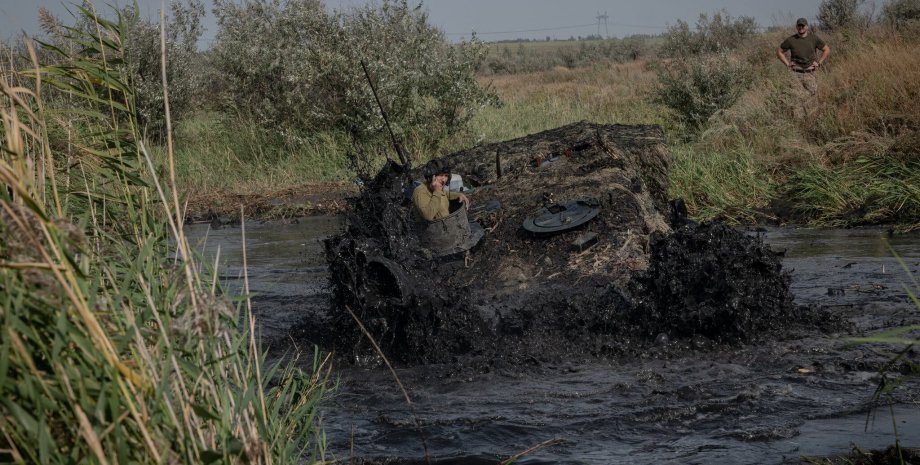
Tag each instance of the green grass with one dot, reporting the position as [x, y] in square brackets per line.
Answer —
[866, 191]
[721, 185]
[118, 345]
[219, 154]
[533, 102]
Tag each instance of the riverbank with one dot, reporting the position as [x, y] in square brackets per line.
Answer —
[855, 161]
[306, 199]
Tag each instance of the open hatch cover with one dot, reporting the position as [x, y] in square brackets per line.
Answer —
[562, 216]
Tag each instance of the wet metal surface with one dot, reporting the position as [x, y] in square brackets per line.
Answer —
[765, 403]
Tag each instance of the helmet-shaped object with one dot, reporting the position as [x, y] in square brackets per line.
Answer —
[434, 167]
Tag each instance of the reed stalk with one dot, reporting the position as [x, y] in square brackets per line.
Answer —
[117, 346]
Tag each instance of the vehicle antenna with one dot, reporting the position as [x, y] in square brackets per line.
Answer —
[399, 150]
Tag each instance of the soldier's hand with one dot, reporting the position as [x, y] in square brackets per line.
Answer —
[464, 200]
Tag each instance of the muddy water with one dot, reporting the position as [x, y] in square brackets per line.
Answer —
[769, 403]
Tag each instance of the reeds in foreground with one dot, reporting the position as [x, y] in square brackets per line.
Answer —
[114, 346]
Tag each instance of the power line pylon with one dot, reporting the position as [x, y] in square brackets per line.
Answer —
[599, 18]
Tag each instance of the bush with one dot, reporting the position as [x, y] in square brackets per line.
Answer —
[697, 88]
[183, 64]
[141, 60]
[835, 15]
[902, 13]
[510, 57]
[295, 67]
[721, 32]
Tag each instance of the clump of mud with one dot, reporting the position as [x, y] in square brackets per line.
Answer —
[713, 281]
[519, 297]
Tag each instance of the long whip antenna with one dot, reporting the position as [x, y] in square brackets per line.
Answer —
[399, 150]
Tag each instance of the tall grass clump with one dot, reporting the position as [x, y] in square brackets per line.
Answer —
[117, 346]
[855, 96]
[729, 186]
[866, 191]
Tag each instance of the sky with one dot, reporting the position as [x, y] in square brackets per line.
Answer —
[495, 19]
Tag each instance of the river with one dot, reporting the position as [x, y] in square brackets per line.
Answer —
[804, 395]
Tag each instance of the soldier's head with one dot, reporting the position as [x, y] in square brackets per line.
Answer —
[801, 27]
[436, 168]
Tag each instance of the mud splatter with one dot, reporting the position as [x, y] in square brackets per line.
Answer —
[519, 298]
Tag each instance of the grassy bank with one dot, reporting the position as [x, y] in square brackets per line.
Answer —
[118, 345]
[852, 161]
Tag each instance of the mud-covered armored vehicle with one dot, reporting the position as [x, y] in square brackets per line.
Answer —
[582, 255]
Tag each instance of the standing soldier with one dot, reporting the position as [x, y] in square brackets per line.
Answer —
[803, 49]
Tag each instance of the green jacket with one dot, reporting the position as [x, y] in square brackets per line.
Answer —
[432, 205]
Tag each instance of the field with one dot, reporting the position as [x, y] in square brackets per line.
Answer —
[853, 161]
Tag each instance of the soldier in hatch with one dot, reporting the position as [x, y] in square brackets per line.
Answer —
[431, 198]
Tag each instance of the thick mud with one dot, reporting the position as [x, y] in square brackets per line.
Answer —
[524, 298]
[765, 402]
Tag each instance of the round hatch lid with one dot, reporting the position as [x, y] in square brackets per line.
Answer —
[562, 216]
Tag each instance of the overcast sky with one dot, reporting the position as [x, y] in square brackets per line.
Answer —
[497, 19]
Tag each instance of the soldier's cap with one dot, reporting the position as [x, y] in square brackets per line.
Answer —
[801, 22]
[434, 167]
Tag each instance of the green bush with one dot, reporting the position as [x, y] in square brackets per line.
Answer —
[141, 62]
[696, 88]
[296, 68]
[183, 65]
[902, 13]
[835, 15]
[718, 33]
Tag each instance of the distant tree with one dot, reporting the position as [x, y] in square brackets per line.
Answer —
[902, 13]
[834, 15]
[713, 34]
[293, 66]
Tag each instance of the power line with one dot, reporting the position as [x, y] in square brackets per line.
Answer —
[544, 29]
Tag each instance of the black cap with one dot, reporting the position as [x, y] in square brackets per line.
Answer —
[801, 22]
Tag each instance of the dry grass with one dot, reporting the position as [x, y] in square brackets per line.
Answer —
[534, 102]
[875, 88]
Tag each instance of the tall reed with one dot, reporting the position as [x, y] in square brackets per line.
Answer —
[117, 345]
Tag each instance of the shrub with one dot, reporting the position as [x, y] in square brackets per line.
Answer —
[295, 67]
[141, 63]
[902, 13]
[835, 15]
[721, 32]
[697, 88]
[183, 65]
